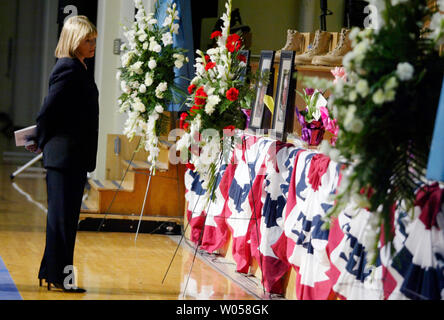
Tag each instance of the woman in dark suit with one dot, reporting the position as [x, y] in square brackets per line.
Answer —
[67, 133]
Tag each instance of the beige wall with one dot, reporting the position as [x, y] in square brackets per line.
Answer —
[270, 19]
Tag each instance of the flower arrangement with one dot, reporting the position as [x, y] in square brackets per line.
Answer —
[386, 108]
[218, 94]
[147, 76]
[316, 118]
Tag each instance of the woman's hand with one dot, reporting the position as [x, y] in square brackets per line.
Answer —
[33, 148]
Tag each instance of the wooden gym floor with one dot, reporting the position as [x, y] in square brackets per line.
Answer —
[109, 265]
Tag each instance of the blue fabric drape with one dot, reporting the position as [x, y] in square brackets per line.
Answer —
[182, 40]
[435, 168]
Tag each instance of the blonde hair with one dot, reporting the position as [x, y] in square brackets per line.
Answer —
[74, 31]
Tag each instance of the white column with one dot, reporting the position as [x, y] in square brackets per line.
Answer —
[49, 44]
[308, 21]
[111, 16]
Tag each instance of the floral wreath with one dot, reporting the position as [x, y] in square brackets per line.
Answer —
[147, 76]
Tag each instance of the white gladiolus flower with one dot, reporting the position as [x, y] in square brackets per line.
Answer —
[353, 95]
[361, 47]
[168, 20]
[148, 80]
[378, 97]
[184, 143]
[396, 2]
[360, 200]
[334, 154]
[356, 125]
[392, 83]
[405, 71]
[175, 28]
[124, 107]
[316, 114]
[179, 57]
[159, 108]
[212, 102]
[134, 85]
[154, 116]
[163, 86]
[126, 58]
[143, 37]
[362, 88]
[167, 39]
[354, 33]
[152, 64]
[153, 45]
[178, 64]
[437, 27]
[325, 147]
[349, 117]
[137, 67]
[200, 70]
[139, 106]
[159, 94]
[209, 90]
[212, 51]
[124, 87]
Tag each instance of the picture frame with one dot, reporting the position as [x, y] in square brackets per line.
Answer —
[260, 114]
[284, 100]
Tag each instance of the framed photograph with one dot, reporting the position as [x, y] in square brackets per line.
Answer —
[284, 104]
[260, 114]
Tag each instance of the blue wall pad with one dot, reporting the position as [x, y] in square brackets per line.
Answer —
[8, 290]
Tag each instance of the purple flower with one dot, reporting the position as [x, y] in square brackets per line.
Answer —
[309, 91]
[247, 112]
[301, 119]
[306, 135]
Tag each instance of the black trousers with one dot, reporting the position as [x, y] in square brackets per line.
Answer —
[65, 190]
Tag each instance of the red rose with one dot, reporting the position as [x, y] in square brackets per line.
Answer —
[191, 88]
[242, 58]
[210, 65]
[207, 58]
[216, 34]
[190, 166]
[229, 130]
[234, 42]
[186, 126]
[200, 97]
[182, 119]
[232, 94]
[194, 110]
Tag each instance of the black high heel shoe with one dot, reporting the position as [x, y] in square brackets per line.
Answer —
[61, 287]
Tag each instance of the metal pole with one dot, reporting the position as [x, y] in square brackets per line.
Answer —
[324, 13]
[143, 206]
[26, 166]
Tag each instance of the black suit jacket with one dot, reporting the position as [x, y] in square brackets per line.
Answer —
[68, 122]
